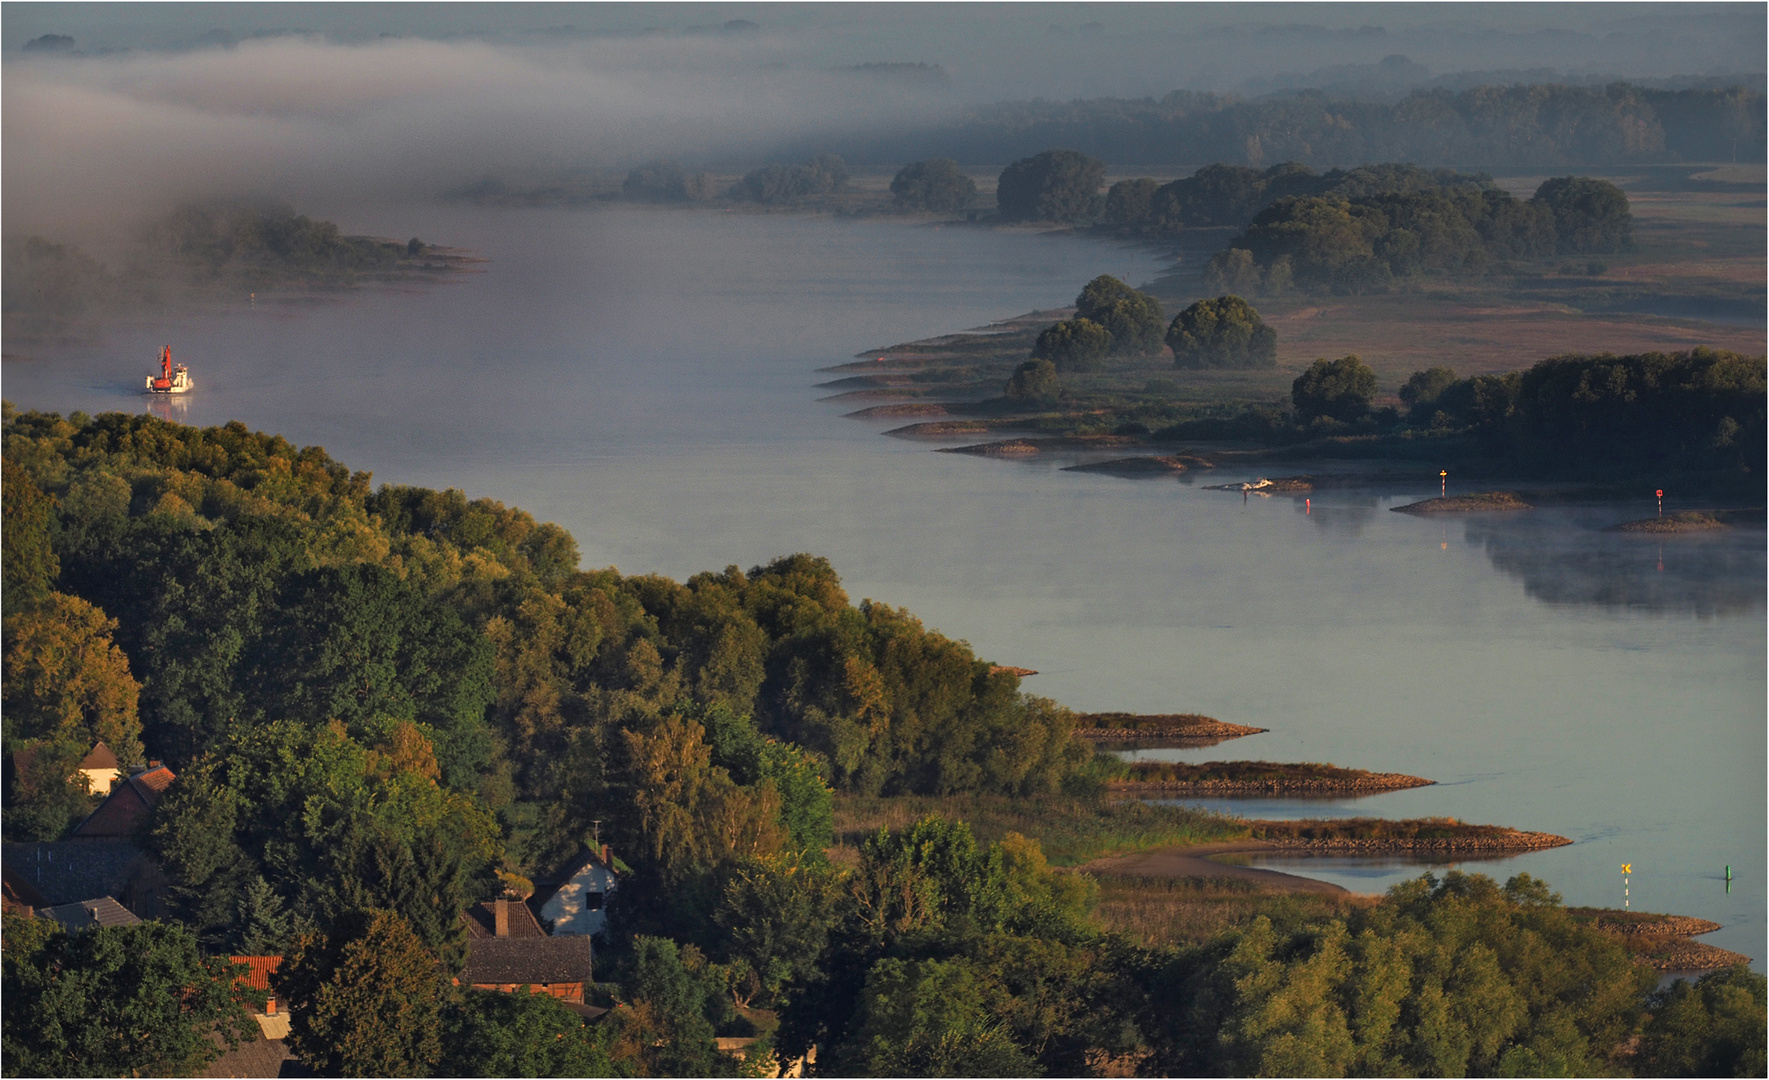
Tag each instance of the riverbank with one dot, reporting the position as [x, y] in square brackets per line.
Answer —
[1258, 778]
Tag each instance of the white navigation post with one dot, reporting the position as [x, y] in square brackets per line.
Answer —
[1443, 483]
[1627, 871]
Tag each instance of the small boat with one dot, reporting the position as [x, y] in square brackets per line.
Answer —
[171, 380]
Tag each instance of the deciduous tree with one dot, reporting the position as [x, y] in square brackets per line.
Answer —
[364, 999]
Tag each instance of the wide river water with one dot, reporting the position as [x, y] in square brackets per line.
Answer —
[645, 378]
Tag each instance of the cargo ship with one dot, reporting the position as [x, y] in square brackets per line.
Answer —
[170, 380]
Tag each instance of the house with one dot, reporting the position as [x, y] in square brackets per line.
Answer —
[255, 972]
[266, 1054]
[69, 871]
[572, 900]
[508, 949]
[101, 769]
[86, 914]
[128, 805]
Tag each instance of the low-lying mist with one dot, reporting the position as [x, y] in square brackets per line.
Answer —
[95, 142]
[133, 109]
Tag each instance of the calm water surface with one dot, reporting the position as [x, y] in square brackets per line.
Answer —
[646, 380]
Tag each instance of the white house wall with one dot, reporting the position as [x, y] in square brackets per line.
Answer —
[567, 909]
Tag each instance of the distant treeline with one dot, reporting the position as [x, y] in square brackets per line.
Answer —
[1584, 417]
[1538, 125]
[203, 248]
[1333, 244]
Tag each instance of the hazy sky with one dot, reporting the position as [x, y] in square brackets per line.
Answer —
[163, 101]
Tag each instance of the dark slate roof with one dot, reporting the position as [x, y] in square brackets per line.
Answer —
[86, 914]
[481, 920]
[253, 1057]
[67, 871]
[19, 891]
[497, 961]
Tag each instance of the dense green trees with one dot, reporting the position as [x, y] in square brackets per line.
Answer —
[1702, 410]
[30, 561]
[774, 185]
[380, 701]
[1132, 318]
[364, 999]
[934, 184]
[1218, 196]
[1222, 333]
[1335, 389]
[312, 822]
[1421, 392]
[1364, 243]
[1450, 977]
[1590, 215]
[1111, 319]
[1056, 185]
[114, 1001]
[1033, 382]
[656, 181]
[67, 687]
[1073, 345]
[487, 1033]
[1712, 1028]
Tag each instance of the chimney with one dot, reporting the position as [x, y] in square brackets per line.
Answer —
[500, 917]
[270, 1005]
[607, 856]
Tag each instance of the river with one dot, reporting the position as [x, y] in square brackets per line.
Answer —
[645, 378]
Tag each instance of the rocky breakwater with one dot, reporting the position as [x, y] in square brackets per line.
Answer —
[1662, 941]
[1465, 504]
[1164, 729]
[1231, 778]
[1378, 836]
[1689, 521]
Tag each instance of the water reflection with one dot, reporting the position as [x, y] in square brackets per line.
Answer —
[1340, 515]
[1704, 575]
[175, 408]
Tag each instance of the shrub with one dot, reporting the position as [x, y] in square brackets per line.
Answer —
[934, 184]
[1073, 345]
[1337, 389]
[1222, 333]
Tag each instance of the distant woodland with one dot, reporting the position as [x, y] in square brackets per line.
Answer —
[1516, 125]
[199, 251]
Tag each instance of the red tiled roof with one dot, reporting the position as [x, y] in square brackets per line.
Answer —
[152, 782]
[258, 969]
[122, 812]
